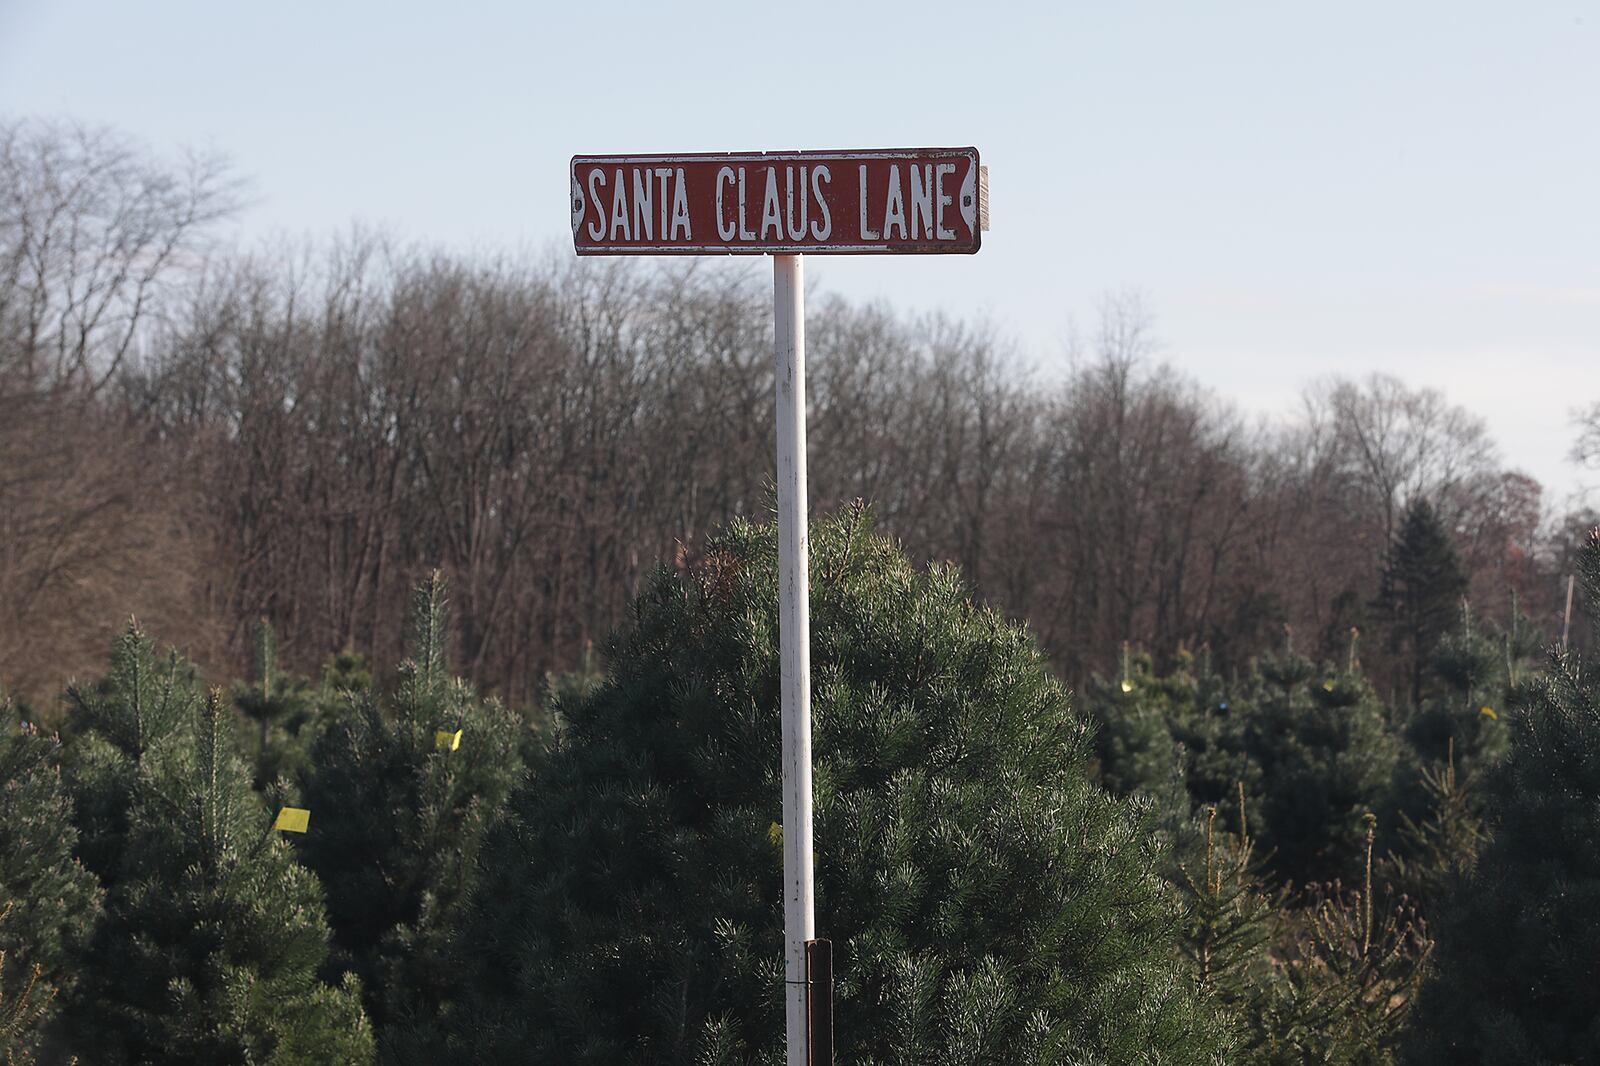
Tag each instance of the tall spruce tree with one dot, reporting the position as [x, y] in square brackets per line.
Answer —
[48, 901]
[1518, 975]
[1419, 592]
[213, 934]
[404, 788]
[987, 902]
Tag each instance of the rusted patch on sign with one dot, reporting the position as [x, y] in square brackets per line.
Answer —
[908, 200]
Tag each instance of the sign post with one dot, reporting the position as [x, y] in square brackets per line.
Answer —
[794, 641]
[785, 204]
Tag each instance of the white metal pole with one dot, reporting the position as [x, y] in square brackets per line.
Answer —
[794, 637]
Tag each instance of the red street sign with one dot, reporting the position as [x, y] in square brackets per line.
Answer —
[910, 200]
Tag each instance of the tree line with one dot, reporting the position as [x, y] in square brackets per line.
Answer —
[206, 437]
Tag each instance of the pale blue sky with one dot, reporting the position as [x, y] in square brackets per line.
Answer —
[1296, 190]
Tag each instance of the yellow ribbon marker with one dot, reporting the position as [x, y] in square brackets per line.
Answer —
[1327, 686]
[445, 740]
[1488, 712]
[292, 820]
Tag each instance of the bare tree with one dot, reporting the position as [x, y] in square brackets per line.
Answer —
[93, 231]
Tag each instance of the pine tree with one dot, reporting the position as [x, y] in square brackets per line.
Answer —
[404, 789]
[1441, 848]
[213, 934]
[1479, 670]
[1325, 756]
[1144, 719]
[1419, 590]
[1349, 970]
[987, 902]
[1518, 975]
[280, 710]
[1232, 922]
[49, 902]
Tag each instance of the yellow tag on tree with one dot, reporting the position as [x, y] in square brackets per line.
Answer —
[445, 740]
[292, 820]
[1488, 712]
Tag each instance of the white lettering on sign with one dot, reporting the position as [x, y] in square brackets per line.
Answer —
[597, 229]
[822, 229]
[921, 201]
[663, 174]
[724, 174]
[940, 170]
[619, 210]
[771, 207]
[644, 223]
[894, 212]
[680, 208]
[796, 233]
[745, 233]
[753, 203]
[640, 197]
[867, 232]
[800, 208]
[928, 200]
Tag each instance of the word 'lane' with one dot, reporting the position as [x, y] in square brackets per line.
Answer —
[913, 200]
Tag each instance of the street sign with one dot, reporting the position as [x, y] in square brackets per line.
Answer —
[785, 204]
[908, 200]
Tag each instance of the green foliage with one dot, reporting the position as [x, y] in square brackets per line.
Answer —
[1232, 920]
[280, 710]
[1311, 748]
[1326, 756]
[1484, 672]
[1420, 588]
[1350, 966]
[48, 901]
[213, 935]
[1325, 977]
[26, 1000]
[1441, 848]
[987, 902]
[400, 817]
[1518, 978]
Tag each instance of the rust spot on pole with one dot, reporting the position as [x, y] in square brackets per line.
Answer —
[819, 1002]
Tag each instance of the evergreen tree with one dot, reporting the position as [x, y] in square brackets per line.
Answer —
[1186, 726]
[1518, 976]
[404, 789]
[1326, 977]
[987, 902]
[49, 902]
[1419, 590]
[1231, 924]
[1480, 671]
[1326, 756]
[213, 934]
[1349, 969]
[1441, 848]
[280, 710]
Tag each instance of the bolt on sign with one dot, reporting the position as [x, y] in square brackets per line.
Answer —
[912, 200]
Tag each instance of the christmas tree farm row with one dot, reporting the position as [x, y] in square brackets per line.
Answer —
[1180, 867]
